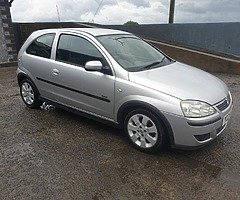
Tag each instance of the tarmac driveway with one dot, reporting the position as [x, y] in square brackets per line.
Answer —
[59, 155]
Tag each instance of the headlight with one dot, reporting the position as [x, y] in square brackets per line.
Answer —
[193, 108]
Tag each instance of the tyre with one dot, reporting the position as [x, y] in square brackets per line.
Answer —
[145, 131]
[29, 94]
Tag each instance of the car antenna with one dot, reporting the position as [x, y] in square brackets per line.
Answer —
[59, 19]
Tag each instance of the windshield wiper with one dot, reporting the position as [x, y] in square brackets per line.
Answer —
[153, 64]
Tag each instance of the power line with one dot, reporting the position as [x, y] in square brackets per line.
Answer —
[91, 21]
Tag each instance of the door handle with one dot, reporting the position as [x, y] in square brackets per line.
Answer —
[55, 72]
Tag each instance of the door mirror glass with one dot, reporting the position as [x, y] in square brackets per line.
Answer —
[93, 66]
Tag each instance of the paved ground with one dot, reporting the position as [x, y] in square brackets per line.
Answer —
[58, 155]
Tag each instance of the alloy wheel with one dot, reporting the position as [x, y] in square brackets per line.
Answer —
[27, 93]
[142, 131]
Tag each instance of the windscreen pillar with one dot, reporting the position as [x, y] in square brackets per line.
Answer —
[8, 51]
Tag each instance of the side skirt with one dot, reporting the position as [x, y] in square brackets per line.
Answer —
[81, 113]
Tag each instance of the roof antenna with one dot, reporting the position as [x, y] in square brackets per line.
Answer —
[59, 20]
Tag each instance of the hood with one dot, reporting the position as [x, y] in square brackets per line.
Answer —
[183, 82]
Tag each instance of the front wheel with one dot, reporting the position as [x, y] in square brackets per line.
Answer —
[145, 131]
[29, 94]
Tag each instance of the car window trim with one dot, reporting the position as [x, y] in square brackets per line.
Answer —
[89, 40]
[50, 33]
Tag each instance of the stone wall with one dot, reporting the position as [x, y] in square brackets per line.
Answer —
[3, 46]
[7, 41]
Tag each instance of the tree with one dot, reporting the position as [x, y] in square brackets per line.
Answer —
[130, 23]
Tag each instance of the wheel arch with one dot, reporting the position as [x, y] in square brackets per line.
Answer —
[133, 105]
[21, 76]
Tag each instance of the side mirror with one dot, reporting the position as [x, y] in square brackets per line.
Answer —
[93, 66]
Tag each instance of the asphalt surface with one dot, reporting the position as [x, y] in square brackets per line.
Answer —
[59, 155]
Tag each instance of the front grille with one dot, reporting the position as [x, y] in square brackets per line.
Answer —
[223, 105]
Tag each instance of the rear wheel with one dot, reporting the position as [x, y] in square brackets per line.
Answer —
[29, 94]
[145, 131]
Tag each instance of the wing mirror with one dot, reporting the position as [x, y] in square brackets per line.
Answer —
[93, 66]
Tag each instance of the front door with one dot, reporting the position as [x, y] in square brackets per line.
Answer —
[73, 85]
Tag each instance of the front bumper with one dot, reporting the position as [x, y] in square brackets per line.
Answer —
[196, 132]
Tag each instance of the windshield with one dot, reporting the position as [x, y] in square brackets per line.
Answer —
[132, 53]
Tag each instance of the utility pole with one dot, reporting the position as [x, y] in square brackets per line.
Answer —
[171, 11]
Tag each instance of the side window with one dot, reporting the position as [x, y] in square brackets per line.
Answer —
[76, 50]
[42, 46]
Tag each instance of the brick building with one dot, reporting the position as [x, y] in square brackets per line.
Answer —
[7, 41]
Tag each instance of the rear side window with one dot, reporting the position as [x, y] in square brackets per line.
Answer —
[77, 50]
[42, 46]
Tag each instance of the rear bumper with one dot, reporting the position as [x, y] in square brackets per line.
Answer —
[192, 133]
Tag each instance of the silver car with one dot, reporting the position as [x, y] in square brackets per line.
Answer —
[116, 77]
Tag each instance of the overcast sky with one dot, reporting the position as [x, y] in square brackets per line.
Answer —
[120, 11]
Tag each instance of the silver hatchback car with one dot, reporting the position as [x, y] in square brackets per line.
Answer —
[116, 77]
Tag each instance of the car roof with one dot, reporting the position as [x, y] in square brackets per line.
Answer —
[91, 31]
